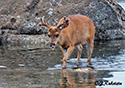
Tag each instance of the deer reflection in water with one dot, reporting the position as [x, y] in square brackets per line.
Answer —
[79, 78]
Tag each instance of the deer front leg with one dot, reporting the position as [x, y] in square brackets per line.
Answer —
[63, 51]
[68, 53]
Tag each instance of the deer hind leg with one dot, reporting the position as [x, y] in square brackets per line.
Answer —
[90, 46]
[80, 48]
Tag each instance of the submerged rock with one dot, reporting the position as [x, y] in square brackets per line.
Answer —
[23, 15]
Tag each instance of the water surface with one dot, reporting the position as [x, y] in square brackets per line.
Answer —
[38, 67]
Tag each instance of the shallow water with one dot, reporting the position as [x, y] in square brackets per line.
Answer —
[37, 67]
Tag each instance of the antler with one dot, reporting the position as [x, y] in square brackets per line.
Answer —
[44, 23]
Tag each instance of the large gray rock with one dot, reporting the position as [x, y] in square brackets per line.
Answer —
[23, 15]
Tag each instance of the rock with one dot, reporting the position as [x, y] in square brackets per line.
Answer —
[24, 15]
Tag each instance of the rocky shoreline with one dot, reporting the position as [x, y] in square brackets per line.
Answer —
[22, 39]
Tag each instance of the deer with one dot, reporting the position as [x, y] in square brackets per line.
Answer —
[70, 33]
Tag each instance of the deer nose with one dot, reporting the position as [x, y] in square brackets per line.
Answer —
[52, 45]
[40, 24]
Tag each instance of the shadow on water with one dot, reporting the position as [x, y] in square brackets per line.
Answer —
[37, 67]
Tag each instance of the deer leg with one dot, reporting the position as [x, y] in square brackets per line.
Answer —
[90, 45]
[63, 51]
[68, 53]
[79, 47]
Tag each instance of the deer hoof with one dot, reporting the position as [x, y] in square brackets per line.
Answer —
[89, 62]
[64, 67]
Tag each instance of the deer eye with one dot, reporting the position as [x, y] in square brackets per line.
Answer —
[57, 35]
[49, 35]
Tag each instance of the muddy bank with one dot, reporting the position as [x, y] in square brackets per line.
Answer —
[22, 17]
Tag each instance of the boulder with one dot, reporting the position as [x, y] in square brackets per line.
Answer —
[23, 15]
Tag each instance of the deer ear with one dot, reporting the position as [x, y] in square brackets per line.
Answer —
[64, 24]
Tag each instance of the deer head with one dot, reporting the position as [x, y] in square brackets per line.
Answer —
[54, 31]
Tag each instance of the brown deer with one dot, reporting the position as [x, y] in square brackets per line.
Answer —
[71, 32]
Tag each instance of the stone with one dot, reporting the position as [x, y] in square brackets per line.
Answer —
[23, 16]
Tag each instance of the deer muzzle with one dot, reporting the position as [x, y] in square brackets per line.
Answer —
[52, 45]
